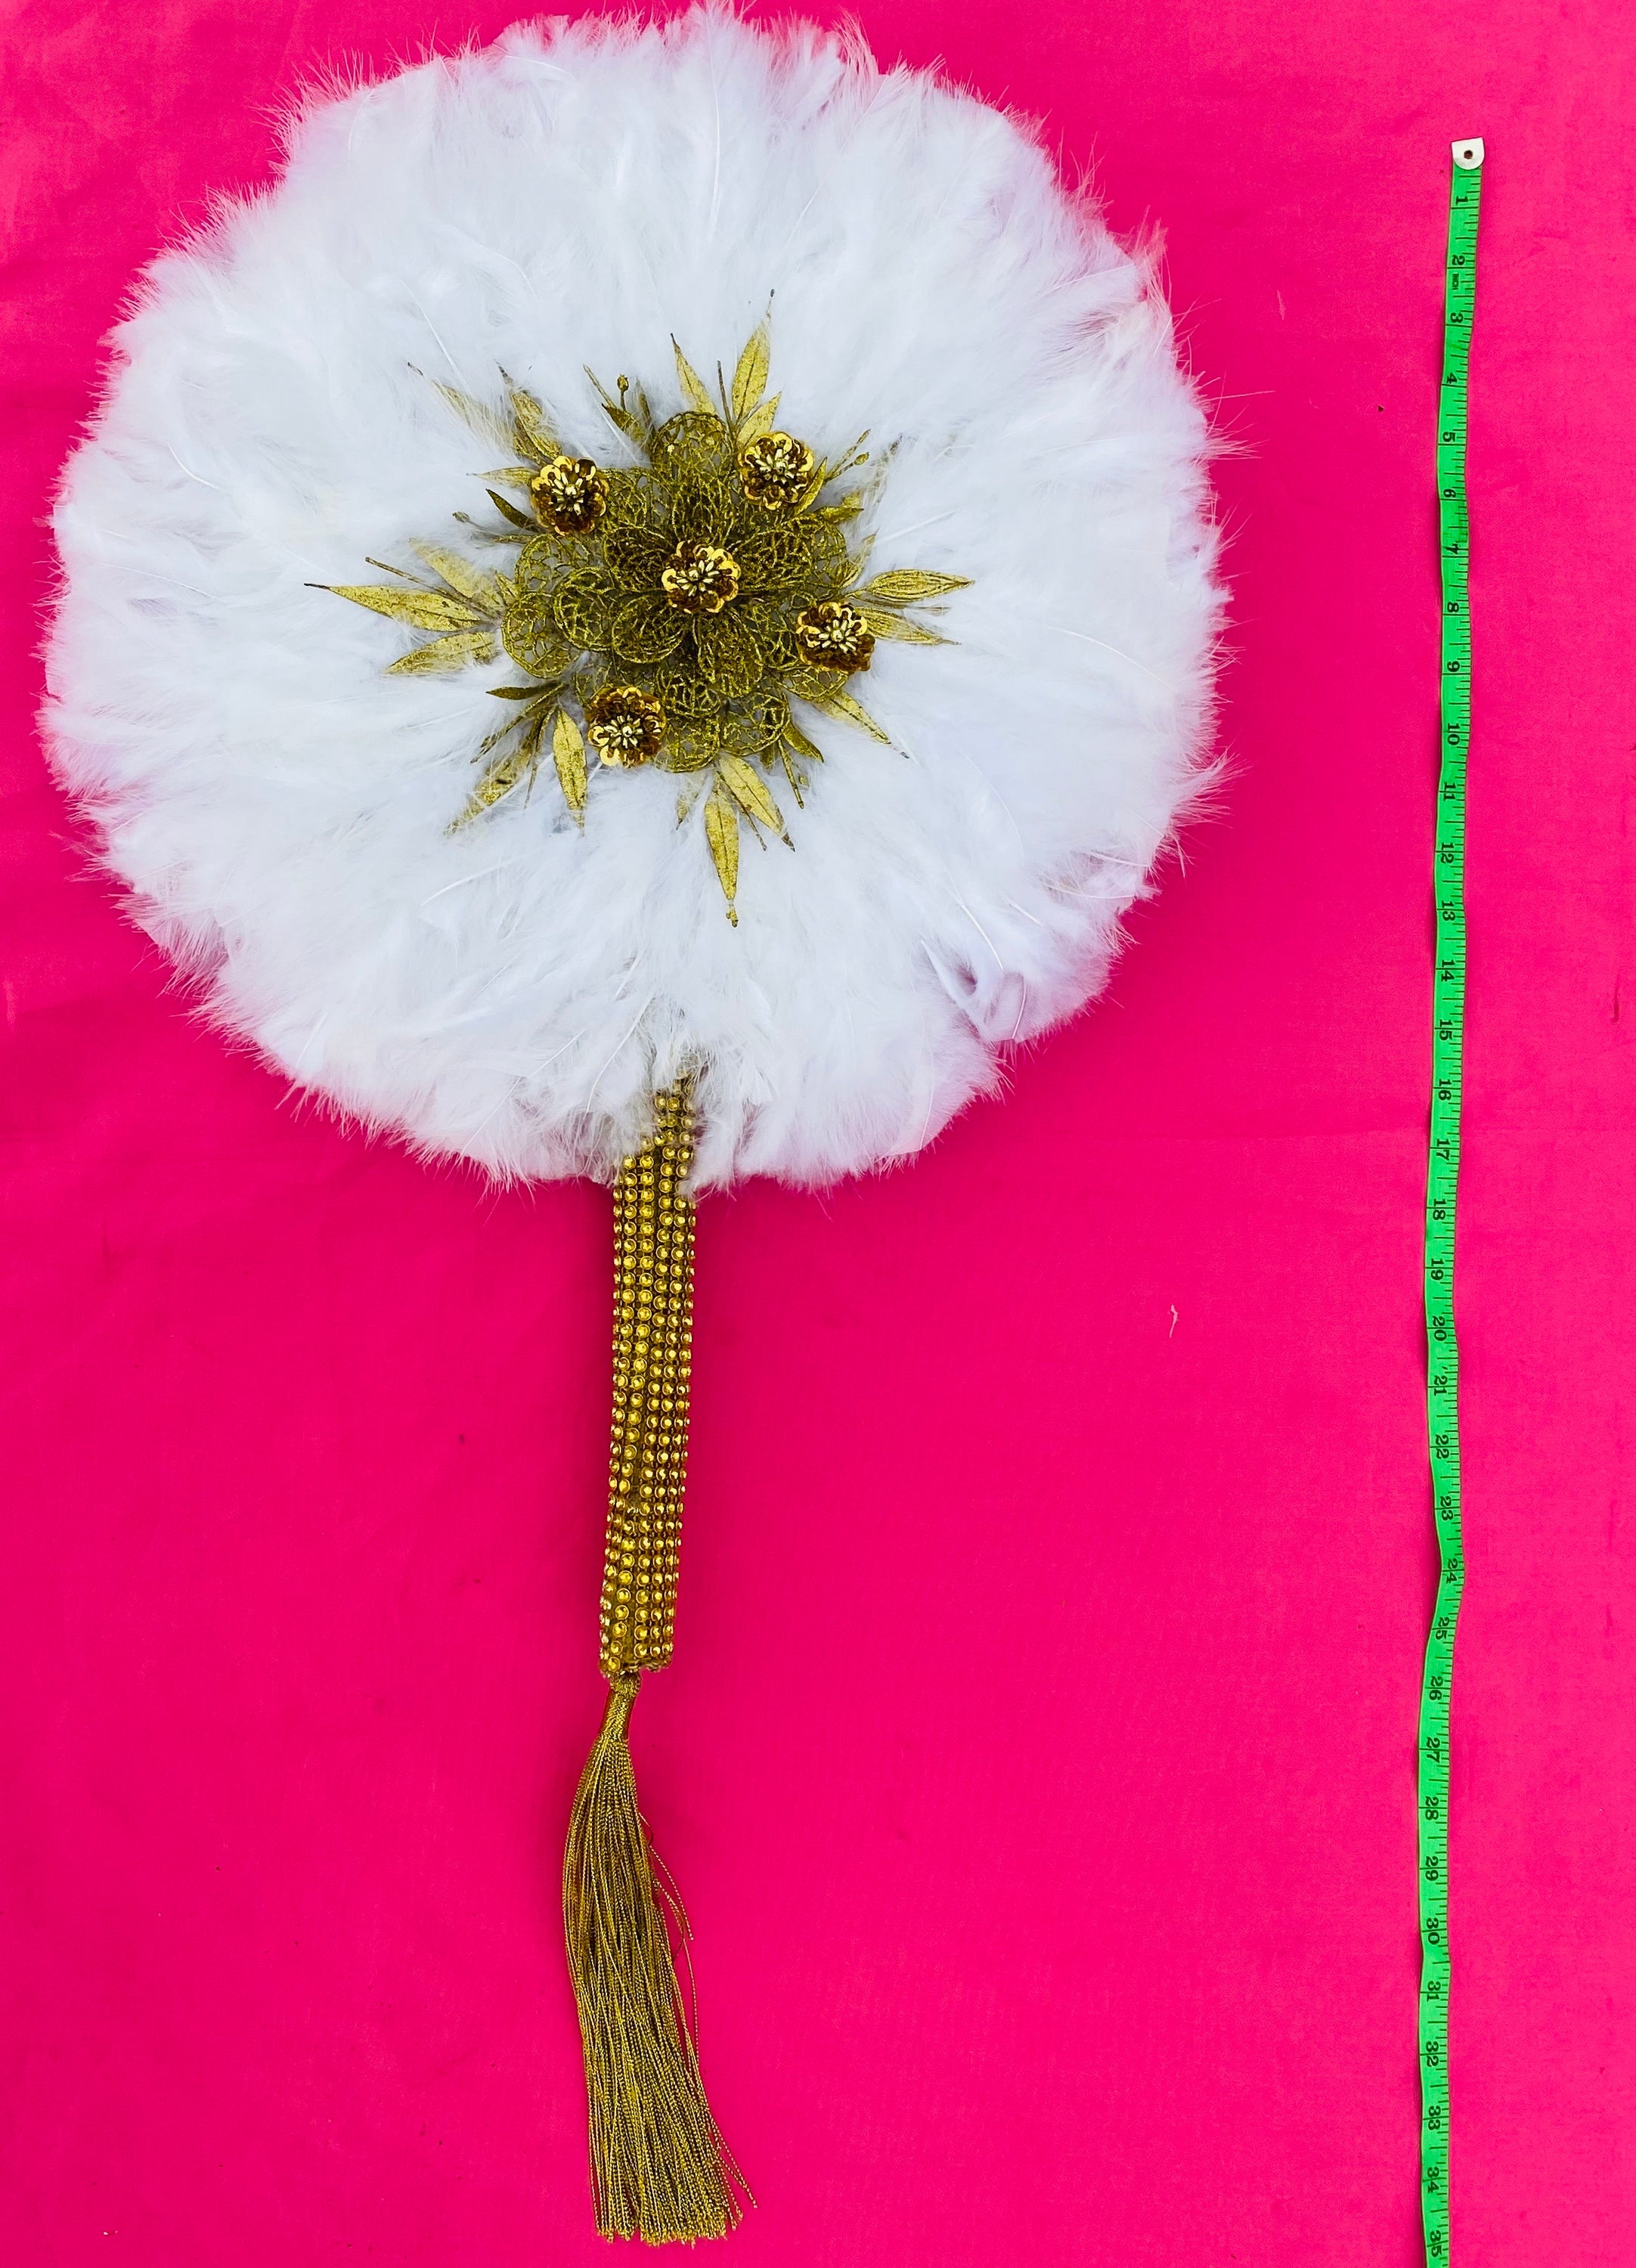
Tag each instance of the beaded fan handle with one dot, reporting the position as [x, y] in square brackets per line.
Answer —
[658, 2167]
[652, 1358]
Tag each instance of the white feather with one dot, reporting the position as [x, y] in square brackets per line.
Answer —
[278, 806]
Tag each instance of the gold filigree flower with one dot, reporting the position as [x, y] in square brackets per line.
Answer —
[775, 470]
[624, 725]
[570, 494]
[701, 578]
[834, 636]
[676, 611]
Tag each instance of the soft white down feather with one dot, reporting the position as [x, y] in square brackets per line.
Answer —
[575, 196]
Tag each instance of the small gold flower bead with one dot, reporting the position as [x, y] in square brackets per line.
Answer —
[700, 579]
[834, 636]
[775, 470]
[625, 726]
[570, 494]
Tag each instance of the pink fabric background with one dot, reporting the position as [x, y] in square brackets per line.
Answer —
[1037, 1758]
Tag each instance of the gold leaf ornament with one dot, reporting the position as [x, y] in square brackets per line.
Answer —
[446, 653]
[568, 755]
[749, 378]
[840, 702]
[693, 385]
[531, 429]
[802, 747]
[761, 420]
[903, 585]
[883, 622]
[423, 610]
[485, 421]
[749, 791]
[722, 831]
[507, 771]
[481, 585]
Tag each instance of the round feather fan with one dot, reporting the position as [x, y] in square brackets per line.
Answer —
[645, 611]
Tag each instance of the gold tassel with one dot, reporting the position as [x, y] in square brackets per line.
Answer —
[657, 2164]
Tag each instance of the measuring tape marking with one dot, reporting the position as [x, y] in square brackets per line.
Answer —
[1442, 1381]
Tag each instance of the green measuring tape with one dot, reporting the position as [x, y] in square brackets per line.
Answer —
[1442, 1383]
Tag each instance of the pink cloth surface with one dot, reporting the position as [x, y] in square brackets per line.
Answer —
[1037, 1760]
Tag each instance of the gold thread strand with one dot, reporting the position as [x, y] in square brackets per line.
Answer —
[658, 2167]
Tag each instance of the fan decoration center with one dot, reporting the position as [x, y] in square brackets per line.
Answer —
[675, 611]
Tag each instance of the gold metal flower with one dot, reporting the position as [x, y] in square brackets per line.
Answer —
[570, 494]
[776, 470]
[624, 725]
[701, 578]
[676, 611]
[834, 636]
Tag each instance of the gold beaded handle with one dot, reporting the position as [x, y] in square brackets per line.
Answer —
[658, 2167]
[652, 1359]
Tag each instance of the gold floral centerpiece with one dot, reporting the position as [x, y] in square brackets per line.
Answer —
[676, 611]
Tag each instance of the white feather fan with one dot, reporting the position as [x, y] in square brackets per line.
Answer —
[514, 990]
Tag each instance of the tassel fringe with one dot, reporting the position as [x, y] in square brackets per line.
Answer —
[659, 2167]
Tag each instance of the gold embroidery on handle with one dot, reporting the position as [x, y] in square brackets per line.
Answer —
[652, 1362]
